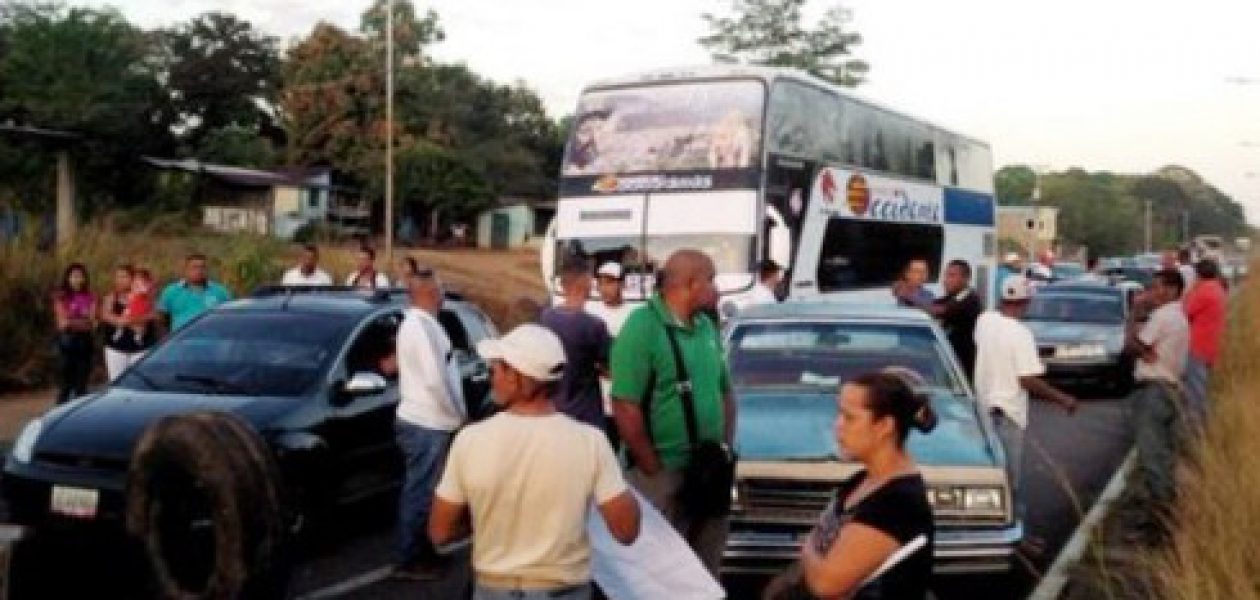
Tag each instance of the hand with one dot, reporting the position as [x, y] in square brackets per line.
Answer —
[649, 467]
[1070, 404]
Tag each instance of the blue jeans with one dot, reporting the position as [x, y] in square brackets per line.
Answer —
[1012, 438]
[424, 456]
[577, 592]
[1195, 383]
[1159, 419]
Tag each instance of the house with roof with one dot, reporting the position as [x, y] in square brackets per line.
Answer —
[277, 203]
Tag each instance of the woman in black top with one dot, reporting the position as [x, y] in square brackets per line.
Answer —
[123, 347]
[875, 540]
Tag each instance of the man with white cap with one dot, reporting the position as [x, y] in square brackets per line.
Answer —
[1012, 264]
[611, 307]
[523, 480]
[1008, 369]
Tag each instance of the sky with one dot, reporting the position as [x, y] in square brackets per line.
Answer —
[1118, 85]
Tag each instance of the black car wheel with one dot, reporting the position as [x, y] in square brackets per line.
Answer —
[204, 499]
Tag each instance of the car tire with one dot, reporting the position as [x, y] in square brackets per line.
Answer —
[204, 499]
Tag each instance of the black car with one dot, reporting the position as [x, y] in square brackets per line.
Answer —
[1079, 329]
[238, 429]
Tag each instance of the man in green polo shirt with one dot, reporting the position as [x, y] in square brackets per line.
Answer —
[647, 406]
[183, 300]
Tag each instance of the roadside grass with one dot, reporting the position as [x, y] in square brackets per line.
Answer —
[28, 275]
[1215, 550]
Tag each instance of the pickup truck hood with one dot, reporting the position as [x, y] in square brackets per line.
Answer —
[108, 425]
[800, 425]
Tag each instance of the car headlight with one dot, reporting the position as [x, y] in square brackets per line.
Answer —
[24, 447]
[1081, 351]
[959, 498]
[986, 499]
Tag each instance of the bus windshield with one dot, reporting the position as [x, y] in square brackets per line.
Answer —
[667, 127]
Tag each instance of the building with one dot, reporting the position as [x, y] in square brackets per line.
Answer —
[1033, 228]
[514, 223]
[277, 203]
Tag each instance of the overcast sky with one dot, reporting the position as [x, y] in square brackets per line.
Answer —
[1122, 85]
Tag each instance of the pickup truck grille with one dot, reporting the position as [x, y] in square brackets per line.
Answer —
[785, 501]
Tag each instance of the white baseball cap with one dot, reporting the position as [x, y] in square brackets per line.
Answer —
[1015, 289]
[610, 269]
[531, 349]
[1011, 257]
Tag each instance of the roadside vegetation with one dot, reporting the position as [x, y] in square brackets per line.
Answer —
[1213, 553]
[495, 280]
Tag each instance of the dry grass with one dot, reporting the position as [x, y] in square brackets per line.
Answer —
[1215, 554]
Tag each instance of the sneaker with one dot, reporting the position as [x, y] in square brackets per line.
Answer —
[420, 571]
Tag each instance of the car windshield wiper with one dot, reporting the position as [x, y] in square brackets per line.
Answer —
[220, 386]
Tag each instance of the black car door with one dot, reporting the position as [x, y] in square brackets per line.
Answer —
[360, 432]
[465, 331]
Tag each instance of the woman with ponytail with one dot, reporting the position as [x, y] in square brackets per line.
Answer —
[875, 539]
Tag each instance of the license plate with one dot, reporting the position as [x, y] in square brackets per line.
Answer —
[75, 502]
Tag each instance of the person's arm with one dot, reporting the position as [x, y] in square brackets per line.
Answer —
[448, 522]
[617, 504]
[621, 514]
[632, 367]
[104, 315]
[628, 415]
[856, 554]
[730, 408]
[61, 316]
[1040, 389]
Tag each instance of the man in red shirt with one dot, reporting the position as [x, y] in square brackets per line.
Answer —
[1205, 310]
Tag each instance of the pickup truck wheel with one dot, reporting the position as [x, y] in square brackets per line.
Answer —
[204, 499]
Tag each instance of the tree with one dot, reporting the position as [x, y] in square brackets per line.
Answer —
[1014, 185]
[411, 33]
[236, 145]
[439, 184]
[86, 71]
[770, 33]
[221, 72]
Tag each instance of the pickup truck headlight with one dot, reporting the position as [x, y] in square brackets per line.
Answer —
[1081, 351]
[24, 448]
[985, 498]
[966, 499]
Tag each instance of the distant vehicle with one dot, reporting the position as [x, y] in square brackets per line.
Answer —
[1139, 275]
[243, 427]
[1150, 261]
[748, 164]
[787, 362]
[1067, 270]
[1079, 328]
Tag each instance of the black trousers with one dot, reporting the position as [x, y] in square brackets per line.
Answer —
[75, 350]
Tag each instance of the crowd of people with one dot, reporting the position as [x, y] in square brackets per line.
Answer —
[592, 380]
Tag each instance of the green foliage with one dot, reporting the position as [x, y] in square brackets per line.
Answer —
[1106, 212]
[238, 146]
[432, 179]
[771, 33]
[1014, 185]
[220, 72]
[411, 33]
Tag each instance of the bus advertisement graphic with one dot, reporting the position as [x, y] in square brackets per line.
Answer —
[875, 198]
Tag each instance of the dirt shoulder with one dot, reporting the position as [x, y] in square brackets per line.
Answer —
[17, 409]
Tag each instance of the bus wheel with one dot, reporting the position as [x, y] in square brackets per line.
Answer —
[204, 500]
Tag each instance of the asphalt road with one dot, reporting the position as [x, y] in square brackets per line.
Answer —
[1069, 461]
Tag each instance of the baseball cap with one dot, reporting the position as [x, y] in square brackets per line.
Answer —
[531, 349]
[1011, 257]
[1015, 289]
[609, 269]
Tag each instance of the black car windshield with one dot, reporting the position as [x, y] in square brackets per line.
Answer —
[1076, 308]
[247, 353]
[823, 355]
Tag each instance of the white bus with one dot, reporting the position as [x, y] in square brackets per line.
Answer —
[751, 163]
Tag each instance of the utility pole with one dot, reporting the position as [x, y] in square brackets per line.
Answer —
[1148, 226]
[389, 133]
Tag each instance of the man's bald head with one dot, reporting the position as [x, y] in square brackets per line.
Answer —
[425, 291]
[688, 280]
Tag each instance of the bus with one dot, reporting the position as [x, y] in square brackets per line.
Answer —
[751, 163]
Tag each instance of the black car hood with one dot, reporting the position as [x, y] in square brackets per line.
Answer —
[108, 425]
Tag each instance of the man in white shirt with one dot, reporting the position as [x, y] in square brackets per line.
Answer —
[611, 308]
[1008, 369]
[1161, 345]
[769, 276]
[307, 271]
[365, 275]
[523, 481]
[431, 408]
